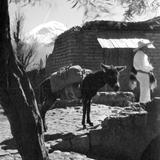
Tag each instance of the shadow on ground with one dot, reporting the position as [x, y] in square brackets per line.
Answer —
[52, 137]
[8, 144]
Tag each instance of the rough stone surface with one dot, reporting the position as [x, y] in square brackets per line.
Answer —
[118, 133]
[58, 155]
[121, 99]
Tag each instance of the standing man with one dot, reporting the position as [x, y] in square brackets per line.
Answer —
[144, 68]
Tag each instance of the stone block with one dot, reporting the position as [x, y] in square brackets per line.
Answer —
[80, 143]
[121, 99]
[60, 144]
[95, 138]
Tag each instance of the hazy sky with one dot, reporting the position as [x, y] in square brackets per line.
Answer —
[61, 11]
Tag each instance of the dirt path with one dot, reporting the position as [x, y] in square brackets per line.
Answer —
[61, 122]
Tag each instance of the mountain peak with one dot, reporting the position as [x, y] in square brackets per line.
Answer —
[46, 32]
[44, 36]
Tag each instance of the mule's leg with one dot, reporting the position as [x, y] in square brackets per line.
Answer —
[45, 107]
[84, 102]
[47, 98]
[88, 112]
[43, 119]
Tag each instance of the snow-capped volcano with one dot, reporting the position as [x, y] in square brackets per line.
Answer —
[43, 36]
[47, 32]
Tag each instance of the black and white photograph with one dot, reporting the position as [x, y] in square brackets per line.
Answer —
[79, 79]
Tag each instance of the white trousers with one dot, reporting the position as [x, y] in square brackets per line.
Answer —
[145, 92]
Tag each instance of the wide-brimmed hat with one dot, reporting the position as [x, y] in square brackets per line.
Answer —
[142, 44]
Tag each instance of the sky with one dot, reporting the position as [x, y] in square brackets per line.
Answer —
[61, 11]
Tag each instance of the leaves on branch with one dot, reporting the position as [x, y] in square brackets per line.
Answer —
[23, 3]
[135, 7]
[23, 51]
[95, 8]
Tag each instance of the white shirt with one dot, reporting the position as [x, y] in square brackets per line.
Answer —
[141, 62]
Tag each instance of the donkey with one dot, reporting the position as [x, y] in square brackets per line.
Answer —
[88, 87]
[93, 82]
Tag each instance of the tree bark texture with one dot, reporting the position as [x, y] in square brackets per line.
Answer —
[17, 97]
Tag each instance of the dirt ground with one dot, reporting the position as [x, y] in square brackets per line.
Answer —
[61, 122]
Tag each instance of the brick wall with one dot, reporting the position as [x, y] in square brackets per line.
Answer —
[81, 47]
[61, 54]
[86, 50]
[154, 55]
[77, 47]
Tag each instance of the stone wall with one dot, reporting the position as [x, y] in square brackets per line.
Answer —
[61, 54]
[120, 99]
[155, 57]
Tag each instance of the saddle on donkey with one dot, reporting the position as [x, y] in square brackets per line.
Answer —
[68, 79]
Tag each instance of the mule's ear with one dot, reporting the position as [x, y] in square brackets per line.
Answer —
[120, 68]
[104, 67]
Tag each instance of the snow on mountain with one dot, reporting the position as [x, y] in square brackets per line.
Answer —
[43, 36]
[46, 33]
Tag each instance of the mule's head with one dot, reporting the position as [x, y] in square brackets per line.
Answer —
[111, 75]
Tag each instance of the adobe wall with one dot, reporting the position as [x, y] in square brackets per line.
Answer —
[81, 47]
[154, 56]
[61, 54]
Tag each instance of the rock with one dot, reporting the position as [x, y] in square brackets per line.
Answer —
[121, 99]
[153, 109]
[61, 145]
[95, 139]
[80, 144]
[129, 134]
[123, 136]
[152, 151]
[59, 155]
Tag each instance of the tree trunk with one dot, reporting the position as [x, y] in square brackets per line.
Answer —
[17, 97]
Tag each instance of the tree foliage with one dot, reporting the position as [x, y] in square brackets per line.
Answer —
[24, 2]
[131, 7]
[32, 2]
[139, 7]
[24, 52]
